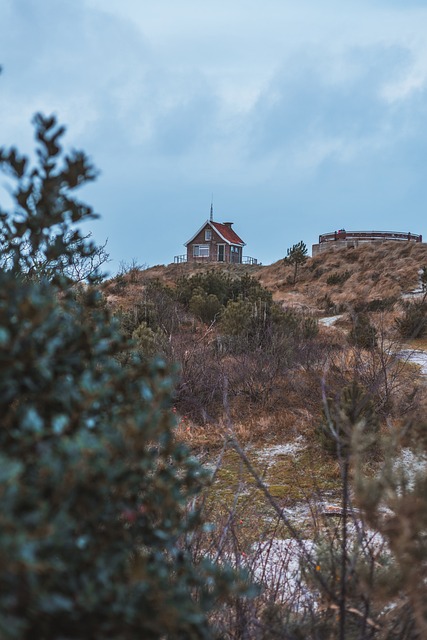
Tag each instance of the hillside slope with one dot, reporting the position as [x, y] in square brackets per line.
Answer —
[370, 272]
[363, 274]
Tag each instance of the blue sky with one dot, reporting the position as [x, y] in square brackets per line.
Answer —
[299, 118]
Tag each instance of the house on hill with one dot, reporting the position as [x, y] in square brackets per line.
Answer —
[215, 242]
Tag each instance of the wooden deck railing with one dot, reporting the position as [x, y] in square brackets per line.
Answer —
[183, 258]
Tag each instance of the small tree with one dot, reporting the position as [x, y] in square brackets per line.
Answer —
[296, 256]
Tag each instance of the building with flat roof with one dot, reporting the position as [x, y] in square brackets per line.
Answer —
[349, 239]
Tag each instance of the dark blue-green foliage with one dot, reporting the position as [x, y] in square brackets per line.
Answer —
[221, 285]
[94, 489]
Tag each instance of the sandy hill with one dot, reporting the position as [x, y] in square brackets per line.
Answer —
[349, 276]
[328, 282]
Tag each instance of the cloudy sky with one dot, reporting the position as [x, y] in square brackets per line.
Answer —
[299, 117]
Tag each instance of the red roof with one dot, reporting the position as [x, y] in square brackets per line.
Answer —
[224, 231]
[227, 233]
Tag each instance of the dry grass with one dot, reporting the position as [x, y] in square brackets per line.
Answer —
[234, 501]
[419, 343]
[257, 427]
[124, 289]
[378, 271]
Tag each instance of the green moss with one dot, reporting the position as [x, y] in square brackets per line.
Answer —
[289, 479]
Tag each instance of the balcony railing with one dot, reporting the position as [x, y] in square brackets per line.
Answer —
[249, 260]
[183, 258]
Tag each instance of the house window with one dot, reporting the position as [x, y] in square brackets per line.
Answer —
[201, 250]
[208, 234]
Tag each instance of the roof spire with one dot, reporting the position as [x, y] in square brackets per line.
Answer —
[211, 214]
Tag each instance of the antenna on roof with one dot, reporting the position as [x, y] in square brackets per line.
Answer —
[211, 214]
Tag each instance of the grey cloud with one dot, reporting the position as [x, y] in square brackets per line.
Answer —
[95, 67]
[69, 55]
[186, 125]
[164, 133]
[305, 102]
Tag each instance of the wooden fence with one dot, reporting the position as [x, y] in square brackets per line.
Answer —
[369, 236]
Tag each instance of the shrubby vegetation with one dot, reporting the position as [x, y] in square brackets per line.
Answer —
[227, 335]
[338, 278]
[413, 322]
[102, 522]
[265, 373]
[216, 289]
[96, 492]
[375, 305]
[363, 333]
[352, 409]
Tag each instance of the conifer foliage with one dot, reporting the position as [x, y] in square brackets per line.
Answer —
[296, 256]
[94, 489]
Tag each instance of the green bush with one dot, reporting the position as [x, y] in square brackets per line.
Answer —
[95, 489]
[376, 305]
[338, 277]
[204, 306]
[156, 307]
[149, 343]
[238, 318]
[363, 334]
[413, 323]
[349, 415]
[221, 285]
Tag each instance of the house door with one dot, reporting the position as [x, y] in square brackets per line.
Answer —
[221, 248]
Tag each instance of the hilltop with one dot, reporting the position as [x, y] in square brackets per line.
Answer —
[327, 283]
